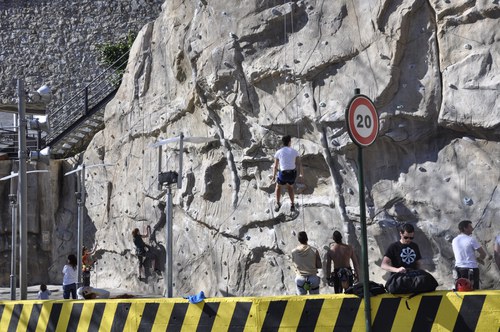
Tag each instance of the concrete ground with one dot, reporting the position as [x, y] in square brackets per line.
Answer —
[57, 293]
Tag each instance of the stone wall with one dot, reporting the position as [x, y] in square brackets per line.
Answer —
[54, 42]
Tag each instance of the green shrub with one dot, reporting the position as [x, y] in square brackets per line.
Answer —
[115, 54]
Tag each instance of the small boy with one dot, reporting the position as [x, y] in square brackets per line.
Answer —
[43, 293]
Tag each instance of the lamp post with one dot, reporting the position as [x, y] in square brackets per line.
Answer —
[22, 191]
[168, 178]
[13, 200]
[169, 236]
[43, 94]
[80, 200]
[13, 260]
[81, 196]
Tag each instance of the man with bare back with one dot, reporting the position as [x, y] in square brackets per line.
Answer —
[340, 254]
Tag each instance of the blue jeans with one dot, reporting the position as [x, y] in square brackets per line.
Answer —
[69, 289]
[302, 288]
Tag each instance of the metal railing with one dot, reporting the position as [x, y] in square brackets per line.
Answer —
[9, 142]
[88, 100]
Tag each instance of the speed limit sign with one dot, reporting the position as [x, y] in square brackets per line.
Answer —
[362, 120]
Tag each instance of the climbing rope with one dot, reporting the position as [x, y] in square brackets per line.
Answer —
[293, 77]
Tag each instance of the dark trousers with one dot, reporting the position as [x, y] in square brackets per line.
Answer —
[339, 275]
[471, 274]
[86, 278]
[69, 289]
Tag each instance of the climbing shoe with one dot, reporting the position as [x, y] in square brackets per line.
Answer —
[277, 207]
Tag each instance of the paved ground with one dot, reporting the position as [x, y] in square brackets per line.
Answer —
[57, 293]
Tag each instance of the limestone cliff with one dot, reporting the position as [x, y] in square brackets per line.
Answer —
[250, 73]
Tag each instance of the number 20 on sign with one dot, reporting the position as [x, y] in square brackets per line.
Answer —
[362, 120]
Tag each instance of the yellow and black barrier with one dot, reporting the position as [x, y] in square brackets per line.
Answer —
[436, 311]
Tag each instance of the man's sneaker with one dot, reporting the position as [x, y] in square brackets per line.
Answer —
[292, 208]
[277, 207]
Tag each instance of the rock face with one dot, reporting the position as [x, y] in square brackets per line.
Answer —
[249, 74]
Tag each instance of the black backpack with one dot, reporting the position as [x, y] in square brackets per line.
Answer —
[358, 290]
[413, 281]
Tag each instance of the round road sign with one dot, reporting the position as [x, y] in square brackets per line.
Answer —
[362, 120]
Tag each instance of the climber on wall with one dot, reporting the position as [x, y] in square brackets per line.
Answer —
[286, 163]
[146, 256]
[88, 262]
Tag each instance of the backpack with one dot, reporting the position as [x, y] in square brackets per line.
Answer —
[463, 285]
[414, 281]
[358, 290]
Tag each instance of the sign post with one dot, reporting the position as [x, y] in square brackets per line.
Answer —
[362, 126]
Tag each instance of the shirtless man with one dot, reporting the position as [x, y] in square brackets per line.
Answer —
[341, 254]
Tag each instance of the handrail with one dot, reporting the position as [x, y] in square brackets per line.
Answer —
[84, 100]
[119, 61]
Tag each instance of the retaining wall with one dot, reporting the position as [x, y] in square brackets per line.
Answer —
[437, 311]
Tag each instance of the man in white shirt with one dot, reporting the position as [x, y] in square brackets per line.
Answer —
[464, 250]
[287, 161]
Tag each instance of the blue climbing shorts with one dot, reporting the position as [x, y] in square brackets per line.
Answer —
[287, 177]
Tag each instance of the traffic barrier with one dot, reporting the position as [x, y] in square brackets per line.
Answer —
[436, 311]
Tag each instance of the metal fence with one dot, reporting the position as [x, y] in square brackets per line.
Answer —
[88, 100]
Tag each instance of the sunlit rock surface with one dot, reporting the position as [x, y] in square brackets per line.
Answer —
[249, 74]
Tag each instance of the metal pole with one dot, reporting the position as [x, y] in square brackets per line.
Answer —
[181, 154]
[81, 204]
[23, 191]
[169, 251]
[160, 185]
[13, 265]
[364, 242]
[86, 100]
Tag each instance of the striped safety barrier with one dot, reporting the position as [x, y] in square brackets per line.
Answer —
[436, 311]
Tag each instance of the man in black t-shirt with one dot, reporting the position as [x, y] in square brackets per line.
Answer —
[404, 254]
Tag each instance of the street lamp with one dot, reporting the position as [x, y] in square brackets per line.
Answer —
[168, 178]
[13, 198]
[81, 196]
[13, 251]
[44, 95]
